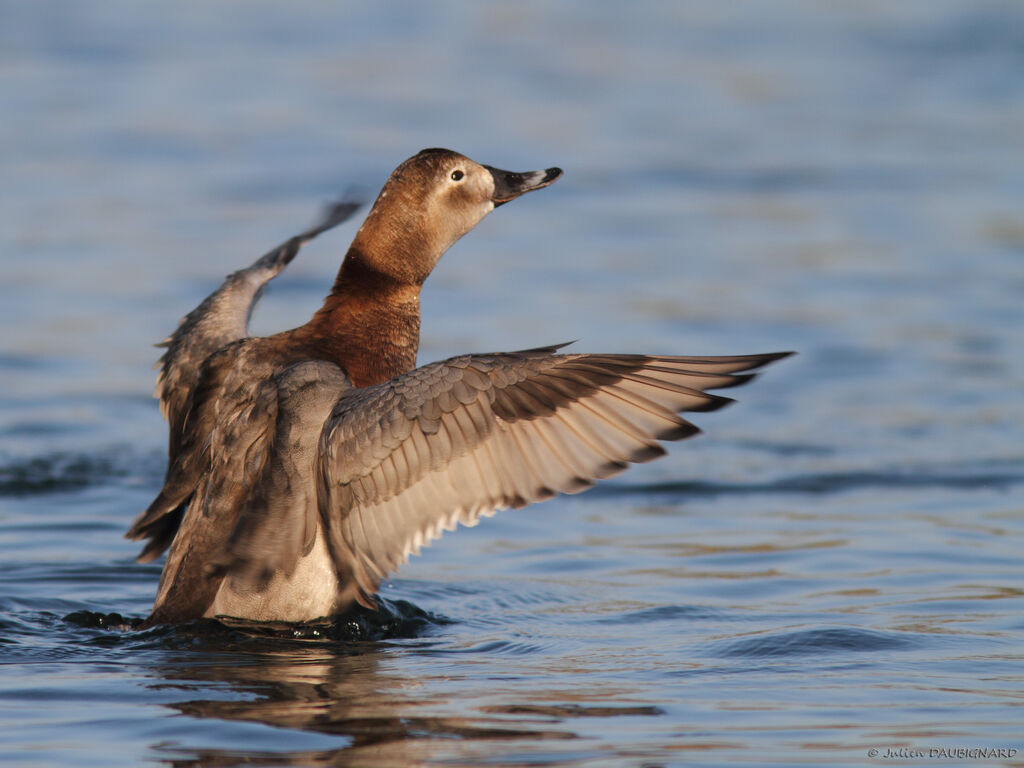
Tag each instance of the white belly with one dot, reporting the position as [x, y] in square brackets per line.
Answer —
[311, 592]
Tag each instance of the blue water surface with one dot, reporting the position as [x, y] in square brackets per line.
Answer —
[833, 568]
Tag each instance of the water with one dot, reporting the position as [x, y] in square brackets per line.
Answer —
[834, 567]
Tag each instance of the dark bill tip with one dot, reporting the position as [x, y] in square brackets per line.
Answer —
[509, 185]
[550, 176]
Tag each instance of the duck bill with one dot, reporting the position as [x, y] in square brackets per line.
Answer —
[509, 185]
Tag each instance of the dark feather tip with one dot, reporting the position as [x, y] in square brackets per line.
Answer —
[714, 403]
[337, 212]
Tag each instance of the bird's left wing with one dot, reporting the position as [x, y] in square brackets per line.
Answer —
[401, 461]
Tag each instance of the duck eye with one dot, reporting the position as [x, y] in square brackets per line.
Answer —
[457, 175]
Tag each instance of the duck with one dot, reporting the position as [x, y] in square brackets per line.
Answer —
[306, 466]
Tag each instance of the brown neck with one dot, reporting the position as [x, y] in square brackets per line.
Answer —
[369, 324]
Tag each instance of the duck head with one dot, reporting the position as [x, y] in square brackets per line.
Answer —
[430, 201]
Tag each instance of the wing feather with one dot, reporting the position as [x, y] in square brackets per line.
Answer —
[223, 317]
[199, 355]
[447, 443]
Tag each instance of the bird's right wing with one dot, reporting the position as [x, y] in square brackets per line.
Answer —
[223, 317]
[200, 354]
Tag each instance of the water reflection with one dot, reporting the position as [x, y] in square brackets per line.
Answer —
[318, 684]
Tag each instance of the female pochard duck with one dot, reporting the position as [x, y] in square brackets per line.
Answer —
[306, 466]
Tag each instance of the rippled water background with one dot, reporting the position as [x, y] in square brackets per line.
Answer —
[834, 567]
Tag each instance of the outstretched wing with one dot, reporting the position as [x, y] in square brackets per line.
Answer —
[223, 317]
[404, 460]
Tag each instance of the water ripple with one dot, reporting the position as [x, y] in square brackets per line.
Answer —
[563, 711]
[816, 641]
[664, 613]
[62, 471]
[1000, 474]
